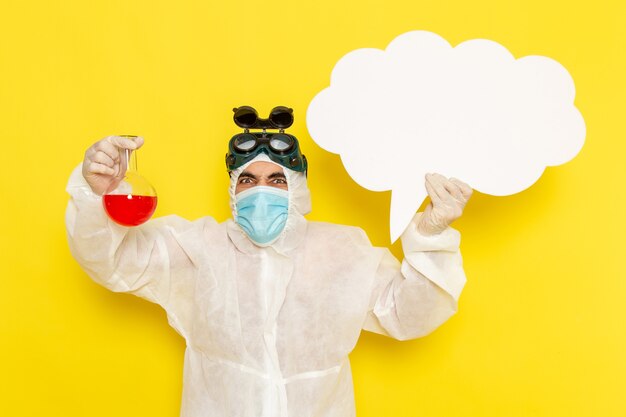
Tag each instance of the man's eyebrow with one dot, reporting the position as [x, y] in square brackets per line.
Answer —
[247, 174]
[276, 174]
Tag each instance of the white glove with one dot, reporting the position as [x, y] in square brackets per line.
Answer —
[103, 166]
[448, 198]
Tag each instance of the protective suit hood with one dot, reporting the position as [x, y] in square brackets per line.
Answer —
[299, 205]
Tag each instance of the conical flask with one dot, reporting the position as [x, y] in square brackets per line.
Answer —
[133, 201]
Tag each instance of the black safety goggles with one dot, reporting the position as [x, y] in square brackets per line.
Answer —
[281, 148]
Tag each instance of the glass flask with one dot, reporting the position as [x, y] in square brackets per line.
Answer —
[133, 201]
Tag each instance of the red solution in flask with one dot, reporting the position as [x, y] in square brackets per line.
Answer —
[129, 209]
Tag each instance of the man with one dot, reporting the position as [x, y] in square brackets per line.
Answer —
[269, 303]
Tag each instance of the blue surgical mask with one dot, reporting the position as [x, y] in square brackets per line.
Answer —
[262, 212]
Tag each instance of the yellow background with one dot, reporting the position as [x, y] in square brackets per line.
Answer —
[541, 327]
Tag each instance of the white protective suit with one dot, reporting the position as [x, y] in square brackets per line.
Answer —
[269, 330]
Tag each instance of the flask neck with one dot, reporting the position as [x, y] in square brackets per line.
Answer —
[131, 160]
[130, 156]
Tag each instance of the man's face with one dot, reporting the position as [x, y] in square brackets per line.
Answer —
[261, 173]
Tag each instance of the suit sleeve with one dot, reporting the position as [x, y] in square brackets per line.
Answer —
[411, 299]
[137, 260]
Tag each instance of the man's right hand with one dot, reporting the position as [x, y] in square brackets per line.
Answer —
[104, 165]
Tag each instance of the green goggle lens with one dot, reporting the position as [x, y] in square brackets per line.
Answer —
[245, 143]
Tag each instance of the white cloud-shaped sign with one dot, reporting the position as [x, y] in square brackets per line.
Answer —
[473, 112]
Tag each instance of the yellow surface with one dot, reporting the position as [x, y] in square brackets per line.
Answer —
[541, 327]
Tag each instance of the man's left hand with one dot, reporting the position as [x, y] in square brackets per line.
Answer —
[448, 198]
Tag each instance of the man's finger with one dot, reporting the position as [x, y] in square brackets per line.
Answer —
[125, 142]
[106, 146]
[432, 193]
[102, 158]
[465, 188]
[436, 182]
[96, 168]
[454, 190]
